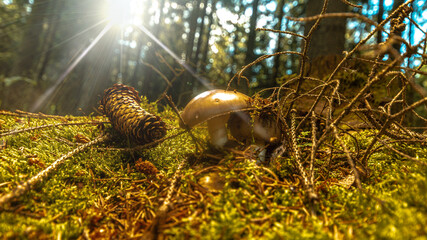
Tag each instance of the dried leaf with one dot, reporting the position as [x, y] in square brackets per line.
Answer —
[34, 160]
[80, 138]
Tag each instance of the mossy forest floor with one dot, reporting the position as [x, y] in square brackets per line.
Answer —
[110, 193]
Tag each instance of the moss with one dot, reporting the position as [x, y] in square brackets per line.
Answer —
[101, 193]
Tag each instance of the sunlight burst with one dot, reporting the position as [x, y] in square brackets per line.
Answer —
[124, 12]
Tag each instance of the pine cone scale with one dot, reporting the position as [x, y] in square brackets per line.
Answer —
[121, 105]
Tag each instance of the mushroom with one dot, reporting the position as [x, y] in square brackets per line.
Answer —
[214, 107]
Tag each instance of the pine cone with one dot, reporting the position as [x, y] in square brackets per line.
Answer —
[121, 105]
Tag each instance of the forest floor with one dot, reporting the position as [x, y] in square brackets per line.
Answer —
[109, 192]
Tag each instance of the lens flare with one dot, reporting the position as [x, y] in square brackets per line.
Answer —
[124, 12]
[41, 102]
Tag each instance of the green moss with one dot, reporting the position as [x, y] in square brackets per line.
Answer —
[99, 191]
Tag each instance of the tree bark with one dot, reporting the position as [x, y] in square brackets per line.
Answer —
[192, 33]
[204, 58]
[55, 8]
[329, 37]
[250, 45]
[380, 19]
[29, 48]
[196, 57]
[279, 16]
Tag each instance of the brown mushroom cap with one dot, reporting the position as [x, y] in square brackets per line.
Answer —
[210, 104]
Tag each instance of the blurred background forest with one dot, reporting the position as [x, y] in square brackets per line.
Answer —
[58, 56]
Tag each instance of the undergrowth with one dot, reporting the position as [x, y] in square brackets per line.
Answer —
[220, 195]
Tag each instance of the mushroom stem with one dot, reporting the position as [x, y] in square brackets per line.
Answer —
[218, 131]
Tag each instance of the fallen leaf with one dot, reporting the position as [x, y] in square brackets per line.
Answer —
[80, 138]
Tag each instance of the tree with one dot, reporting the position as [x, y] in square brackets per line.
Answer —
[29, 48]
[142, 42]
[53, 19]
[203, 60]
[329, 37]
[196, 57]
[250, 43]
[19, 94]
[279, 16]
[214, 45]
[194, 16]
[380, 19]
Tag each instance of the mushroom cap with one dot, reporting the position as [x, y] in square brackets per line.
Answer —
[211, 104]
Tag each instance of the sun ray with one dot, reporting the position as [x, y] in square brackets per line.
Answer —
[48, 93]
[120, 73]
[201, 79]
[77, 35]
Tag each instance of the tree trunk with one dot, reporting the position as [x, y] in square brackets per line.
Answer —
[128, 54]
[380, 19]
[186, 82]
[279, 16]
[192, 34]
[143, 39]
[196, 57]
[250, 45]
[55, 8]
[28, 50]
[21, 93]
[204, 58]
[329, 37]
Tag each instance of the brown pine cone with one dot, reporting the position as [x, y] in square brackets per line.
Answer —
[121, 105]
